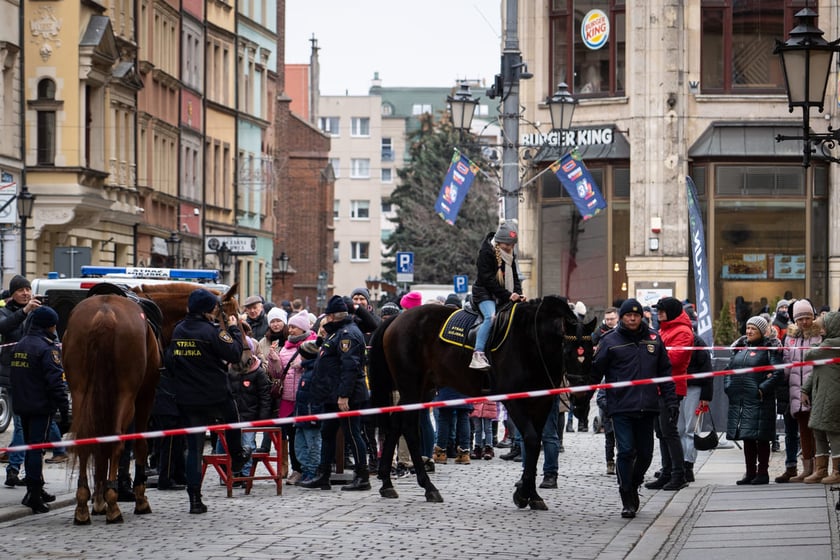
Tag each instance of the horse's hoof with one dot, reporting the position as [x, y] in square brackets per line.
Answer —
[538, 505]
[117, 519]
[77, 521]
[520, 500]
[143, 511]
[434, 497]
[388, 493]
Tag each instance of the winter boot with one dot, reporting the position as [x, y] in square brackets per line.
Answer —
[34, 500]
[820, 470]
[790, 472]
[322, 480]
[125, 491]
[12, 478]
[834, 477]
[514, 452]
[476, 453]
[196, 505]
[659, 483]
[440, 455]
[463, 457]
[628, 510]
[488, 453]
[807, 470]
[549, 480]
[360, 482]
[676, 482]
[688, 469]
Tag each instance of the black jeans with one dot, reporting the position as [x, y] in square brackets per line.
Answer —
[224, 412]
[352, 428]
[670, 446]
[35, 430]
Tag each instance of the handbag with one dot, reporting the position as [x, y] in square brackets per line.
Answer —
[709, 441]
[277, 382]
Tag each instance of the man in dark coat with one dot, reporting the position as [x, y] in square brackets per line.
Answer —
[197, 359]
[38, 390]
[338, 383]
[633, 351]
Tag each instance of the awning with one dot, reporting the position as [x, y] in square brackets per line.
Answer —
[590, 143]
[747, 140]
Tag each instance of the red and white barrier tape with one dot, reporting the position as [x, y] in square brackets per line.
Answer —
[271, 422]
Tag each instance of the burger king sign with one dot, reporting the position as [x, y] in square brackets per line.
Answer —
[595, 29]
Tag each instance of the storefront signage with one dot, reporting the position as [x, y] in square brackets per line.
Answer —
[574, 137]
[763, 266]
[238, 244]
[595, 29]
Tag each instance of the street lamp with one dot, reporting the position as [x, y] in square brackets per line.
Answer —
[806, 63]
[561, 107]
[25, 202]
[283, 266]
[173, 248]
[224, 255]
[462, 105]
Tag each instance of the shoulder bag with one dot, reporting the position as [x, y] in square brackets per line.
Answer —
[277, 382]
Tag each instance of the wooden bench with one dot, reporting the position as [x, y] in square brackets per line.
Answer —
[276, 464]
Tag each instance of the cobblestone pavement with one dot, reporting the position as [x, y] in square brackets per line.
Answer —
[478, 517]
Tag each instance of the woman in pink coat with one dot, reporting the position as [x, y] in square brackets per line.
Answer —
[482, 416]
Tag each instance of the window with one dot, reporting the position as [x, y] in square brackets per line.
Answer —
[386, 207]
[360, 209]
[336, 252]
[359, 251]
[760, 181]
[46, 122]
[421, 108]
[591, 67]
[328, 125]
[360, 126]
[387, 149]
[736, 44]
[359, 168]
[336, 165]
[336, 209]
[386, 175]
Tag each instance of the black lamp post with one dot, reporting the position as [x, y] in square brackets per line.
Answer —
[173, 248]
[462, 106]
[806, 63]
[283, 266]
[561, 106]
[224, 255]
[25, 203]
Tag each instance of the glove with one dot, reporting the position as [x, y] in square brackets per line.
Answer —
[64, 422]
[674, 414]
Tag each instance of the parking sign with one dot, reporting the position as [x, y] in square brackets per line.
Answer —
[405, 267]
[461, 283]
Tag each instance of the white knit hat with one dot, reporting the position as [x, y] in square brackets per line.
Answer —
[758, 323]
[277, 313]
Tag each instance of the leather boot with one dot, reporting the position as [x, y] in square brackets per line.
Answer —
[790, 472]
[476, 453]
[658, 483]
[688, 469]
[820, 470]
[12, 479]
[196, 505]
[34, 500]
[360, 482]
[440, 455]
[807, 470]
[628, 510]
[321, 481]
[463, 457]
[677, 482]
[834, 477]
[514, 452]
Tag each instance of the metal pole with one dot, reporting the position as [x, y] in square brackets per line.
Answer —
[23, 246]
[511, 57]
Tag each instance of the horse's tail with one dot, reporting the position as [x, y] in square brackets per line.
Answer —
[93, 410]
[379, 374]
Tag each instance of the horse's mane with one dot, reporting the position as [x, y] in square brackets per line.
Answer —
[176, 289]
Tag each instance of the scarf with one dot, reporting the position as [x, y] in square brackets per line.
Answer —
[506, 279]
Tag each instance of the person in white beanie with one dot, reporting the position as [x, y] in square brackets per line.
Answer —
[268, 350]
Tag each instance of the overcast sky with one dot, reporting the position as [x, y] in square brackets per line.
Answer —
[430, 43]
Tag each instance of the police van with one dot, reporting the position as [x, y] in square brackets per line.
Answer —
[62, 294]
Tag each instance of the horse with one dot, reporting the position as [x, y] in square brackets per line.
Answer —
[577, 364]
[408, 356]
[112, 358]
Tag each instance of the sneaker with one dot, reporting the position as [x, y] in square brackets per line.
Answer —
[293, 478]
[479, 361]
[62, 458]
[304, 479]
[402, 471]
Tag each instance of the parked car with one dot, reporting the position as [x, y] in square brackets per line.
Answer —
[5, 409]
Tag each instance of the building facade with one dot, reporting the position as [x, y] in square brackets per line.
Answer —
[677, 89]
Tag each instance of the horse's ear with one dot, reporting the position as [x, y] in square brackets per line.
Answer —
[231, 293]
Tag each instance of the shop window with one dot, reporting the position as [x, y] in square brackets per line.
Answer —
[586, 57]
[737, 40]
[761, 181]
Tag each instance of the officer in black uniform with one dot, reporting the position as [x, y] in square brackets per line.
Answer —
[338, 383]
[197, 360]
[38, 390]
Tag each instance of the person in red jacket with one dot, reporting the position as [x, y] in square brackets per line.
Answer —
[675, 330]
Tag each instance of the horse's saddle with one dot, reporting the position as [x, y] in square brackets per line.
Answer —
[154, 316]
[461, 327]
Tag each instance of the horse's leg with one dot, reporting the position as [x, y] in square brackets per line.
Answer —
[100, 468]
[141, 452]
[529, 417]
[112, 512]
[82, 514]
[391, 427]
[411, 432]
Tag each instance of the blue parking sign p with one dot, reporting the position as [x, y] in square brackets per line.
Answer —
[405, 266]
[461, 281]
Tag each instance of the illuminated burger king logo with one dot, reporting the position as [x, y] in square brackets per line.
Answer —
[595, 29]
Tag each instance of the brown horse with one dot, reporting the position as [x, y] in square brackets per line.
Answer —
[112, 359]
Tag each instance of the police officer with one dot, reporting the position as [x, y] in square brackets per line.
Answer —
[197, 360]
[38, 389]
[338, 382]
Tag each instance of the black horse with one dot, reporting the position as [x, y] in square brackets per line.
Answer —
[578, 350]
[408, 356]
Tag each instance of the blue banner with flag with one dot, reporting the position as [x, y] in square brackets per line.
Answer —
[578, 182]
[700, 264]
[457, 183]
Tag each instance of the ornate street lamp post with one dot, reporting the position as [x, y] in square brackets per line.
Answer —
[25, 203]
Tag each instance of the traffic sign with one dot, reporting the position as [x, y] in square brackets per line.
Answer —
[8, 213]
[461, 283]
[405, 267]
